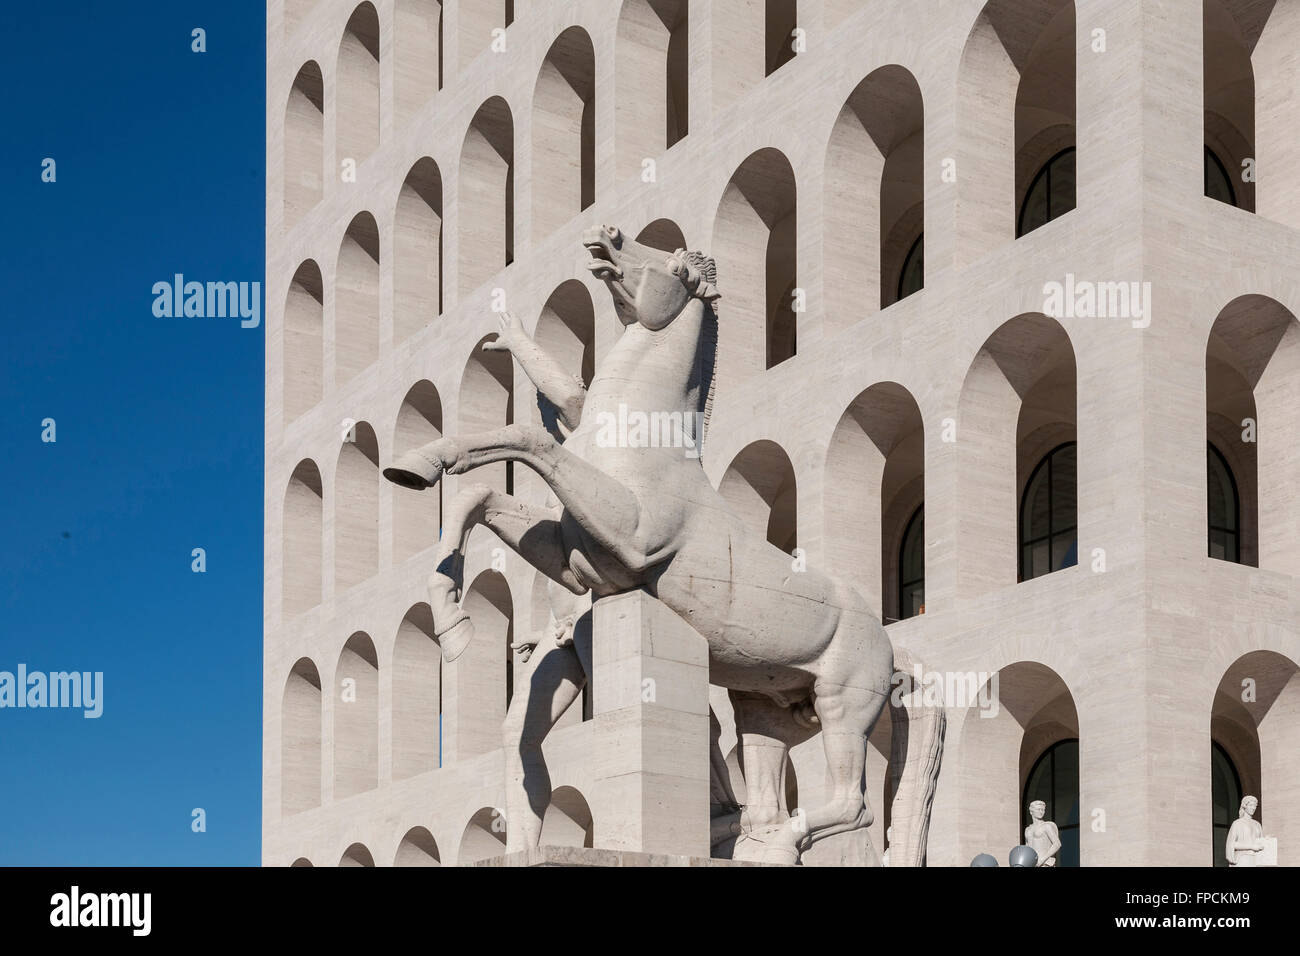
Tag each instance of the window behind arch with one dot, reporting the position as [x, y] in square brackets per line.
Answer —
[912, 278]
[1054, 779]
[1225, 790]
[1224, 508]
[1049, 515]
[911, 567]
[1218, 184]
[1050, 194]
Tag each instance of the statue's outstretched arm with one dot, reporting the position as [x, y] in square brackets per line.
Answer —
[563, 390]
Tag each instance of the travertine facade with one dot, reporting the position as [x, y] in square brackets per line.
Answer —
[806, 146]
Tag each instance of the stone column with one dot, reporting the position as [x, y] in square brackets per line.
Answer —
[651, 710]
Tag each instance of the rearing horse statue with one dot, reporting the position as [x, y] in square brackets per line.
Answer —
[797, 651]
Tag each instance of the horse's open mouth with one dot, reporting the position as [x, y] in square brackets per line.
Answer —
[602, 264]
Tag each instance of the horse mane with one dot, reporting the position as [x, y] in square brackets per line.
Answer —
[707, 352]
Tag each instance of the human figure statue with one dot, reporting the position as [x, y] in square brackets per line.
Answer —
[1245, 837]
[1042, 835]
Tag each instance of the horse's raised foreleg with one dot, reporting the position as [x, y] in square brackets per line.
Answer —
[603, 506]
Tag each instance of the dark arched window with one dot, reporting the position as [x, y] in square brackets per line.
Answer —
[911, 567]
[1218, 184]
[1225, 790]
[1054, 779]
[1049, 539]
[912, 278]
[1050, 194]
[1224, 507]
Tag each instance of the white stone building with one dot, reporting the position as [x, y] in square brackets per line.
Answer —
[1130, 166]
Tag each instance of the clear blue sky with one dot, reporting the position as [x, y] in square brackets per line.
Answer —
[160, 156]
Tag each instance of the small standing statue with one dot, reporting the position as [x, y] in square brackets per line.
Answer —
[1245, 837]
[1042, 835]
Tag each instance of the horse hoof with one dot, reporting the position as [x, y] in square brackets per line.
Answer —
[456, 638]
[414, 471]
[775, 843]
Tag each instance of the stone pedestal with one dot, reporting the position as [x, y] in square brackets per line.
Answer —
[651, 710]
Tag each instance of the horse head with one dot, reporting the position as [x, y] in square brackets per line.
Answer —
[648, 285]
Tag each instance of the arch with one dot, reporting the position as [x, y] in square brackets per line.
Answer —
[1226, 794]
[417, 48]
[566, 329]
[304, 143]
[1252, 375]
[1049, 514]
[1018, 715]
[662, 234]
[1218, 182]
[874, 194]
[875, 481]
[1229, 95]
[650, 117]
[567, 821]
[485, 671]
[356, 508]
[417, 250]
[418, 848]
[356, 299]
[357, 855]
[759, 485]
[417, 695]
[1224, 507]
[1017, 403]
[911, 566]
[1255, 718]
[302, 534]
[417, 515]
[356, 718]
[487, 402]
[300, 739]
[304, 340]
[564, 132]
[755, 243]
[486, 193]
[301, 861]
[1015, 98]
[484, 837]
[357, 86]
[1050, 193]
[758, 42]
[1054, 780]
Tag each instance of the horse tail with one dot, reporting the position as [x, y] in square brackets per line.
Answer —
[918, 727]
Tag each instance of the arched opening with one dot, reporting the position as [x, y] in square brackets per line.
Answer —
[418, 848]
[485, 672]
[1218, 182]
[1020, 742]
[1224, 507]
[568, 820]
[356, 299]
[417, 696]
[1049, 515]
[874, 192]
[1255, 722]
[417, 39]
[304, 340]
[755, 242]
[304, 144]
[417, 250]
[487, 212]
[875, 482]
[1050, 193]
[356, 855]
[301, 861]
[487, 402]
[566, 329]
[1229, 87]
[911, 567]
[356, 718]
[751, 41]
[564, 132]
[1252, 394]
[417, 515]
[759, 486]
[356, 508]
[1226, 793]
[650, 117]
[484, 837]
[357, 131]
[302, 536]
[1017, 405]
[1016, 98]
[300, 739]
[662, 234]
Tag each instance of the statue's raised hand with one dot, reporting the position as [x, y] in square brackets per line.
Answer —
[509, 335]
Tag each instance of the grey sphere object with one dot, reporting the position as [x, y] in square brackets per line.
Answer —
[984, 859]
[1023, 856]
